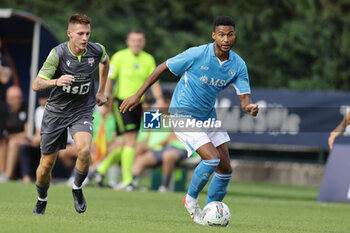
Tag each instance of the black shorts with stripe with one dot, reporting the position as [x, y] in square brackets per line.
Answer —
[130, 121]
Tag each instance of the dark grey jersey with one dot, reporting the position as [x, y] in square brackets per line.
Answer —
[80, 96]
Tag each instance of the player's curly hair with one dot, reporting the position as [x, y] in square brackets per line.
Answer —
[223, 20]
[79, 19]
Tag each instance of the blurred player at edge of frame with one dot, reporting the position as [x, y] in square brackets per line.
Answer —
[339, 130]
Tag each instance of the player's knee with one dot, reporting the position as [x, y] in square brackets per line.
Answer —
[169, 156]
[47, 164]
[44, 169]
[225, 168]
[84, 151]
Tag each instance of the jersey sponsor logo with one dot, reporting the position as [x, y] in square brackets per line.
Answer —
[91, 61]
[204, 68]
[79, 90]
[81, 78]
[217, 82]
[212, 81]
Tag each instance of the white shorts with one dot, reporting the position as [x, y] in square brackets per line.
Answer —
[193, 140]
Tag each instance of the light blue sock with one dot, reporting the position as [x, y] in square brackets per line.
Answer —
[201, 176]
[218, 187]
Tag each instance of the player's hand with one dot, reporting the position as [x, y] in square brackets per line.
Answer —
[100, 99]
[129, 103]
[252, 109]
[65, 80]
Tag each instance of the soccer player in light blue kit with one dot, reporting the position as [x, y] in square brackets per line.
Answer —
[206, 70]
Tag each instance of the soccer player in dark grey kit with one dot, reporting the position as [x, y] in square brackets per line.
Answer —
[68, 70]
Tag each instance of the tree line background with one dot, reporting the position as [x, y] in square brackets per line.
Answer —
[299, 44]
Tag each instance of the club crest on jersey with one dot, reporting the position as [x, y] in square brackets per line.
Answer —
[68, 63]
[91, 61]
[231, 73]
[203, 79]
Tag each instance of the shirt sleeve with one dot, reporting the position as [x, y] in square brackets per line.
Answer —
[113, 67]
[241, 82]
[104, 53]
[49, 68]
[181, 62]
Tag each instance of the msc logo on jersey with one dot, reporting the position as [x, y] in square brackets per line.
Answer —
[212, 81]
[80, 90]
[152, 119]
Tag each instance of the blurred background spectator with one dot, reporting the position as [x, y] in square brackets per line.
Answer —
[29, 151]
[5, 75]
[16, 127]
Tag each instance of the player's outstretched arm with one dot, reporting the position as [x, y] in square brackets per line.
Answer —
[158, 94]
[132, 101]
[103, 74]
[41, 84]
[339, 130]
[247, 105]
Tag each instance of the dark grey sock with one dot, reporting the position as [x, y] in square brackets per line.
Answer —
[166, 180]
[42, 190]
[79, 177]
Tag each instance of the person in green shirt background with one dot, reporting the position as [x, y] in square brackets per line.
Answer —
[129, 68]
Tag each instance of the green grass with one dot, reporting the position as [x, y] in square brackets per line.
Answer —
[254, 207]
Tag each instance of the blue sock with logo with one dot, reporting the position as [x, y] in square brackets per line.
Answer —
[201, 176]
[218, 187]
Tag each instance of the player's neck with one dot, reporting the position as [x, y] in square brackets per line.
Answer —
[76, 50]
[223, 56]
[135, 53]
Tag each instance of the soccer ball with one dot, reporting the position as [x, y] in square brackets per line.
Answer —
[216, 213]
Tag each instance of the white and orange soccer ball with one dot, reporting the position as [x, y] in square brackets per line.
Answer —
[216, 213]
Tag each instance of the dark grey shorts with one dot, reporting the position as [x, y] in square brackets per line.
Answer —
[158, 154]
[54, 130]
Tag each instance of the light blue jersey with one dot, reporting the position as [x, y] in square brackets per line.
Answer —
[203, 77]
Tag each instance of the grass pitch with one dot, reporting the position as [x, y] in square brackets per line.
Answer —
[254, 207]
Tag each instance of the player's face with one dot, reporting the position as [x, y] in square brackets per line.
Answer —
[79, 35]
[136, 42]
[224, 37]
